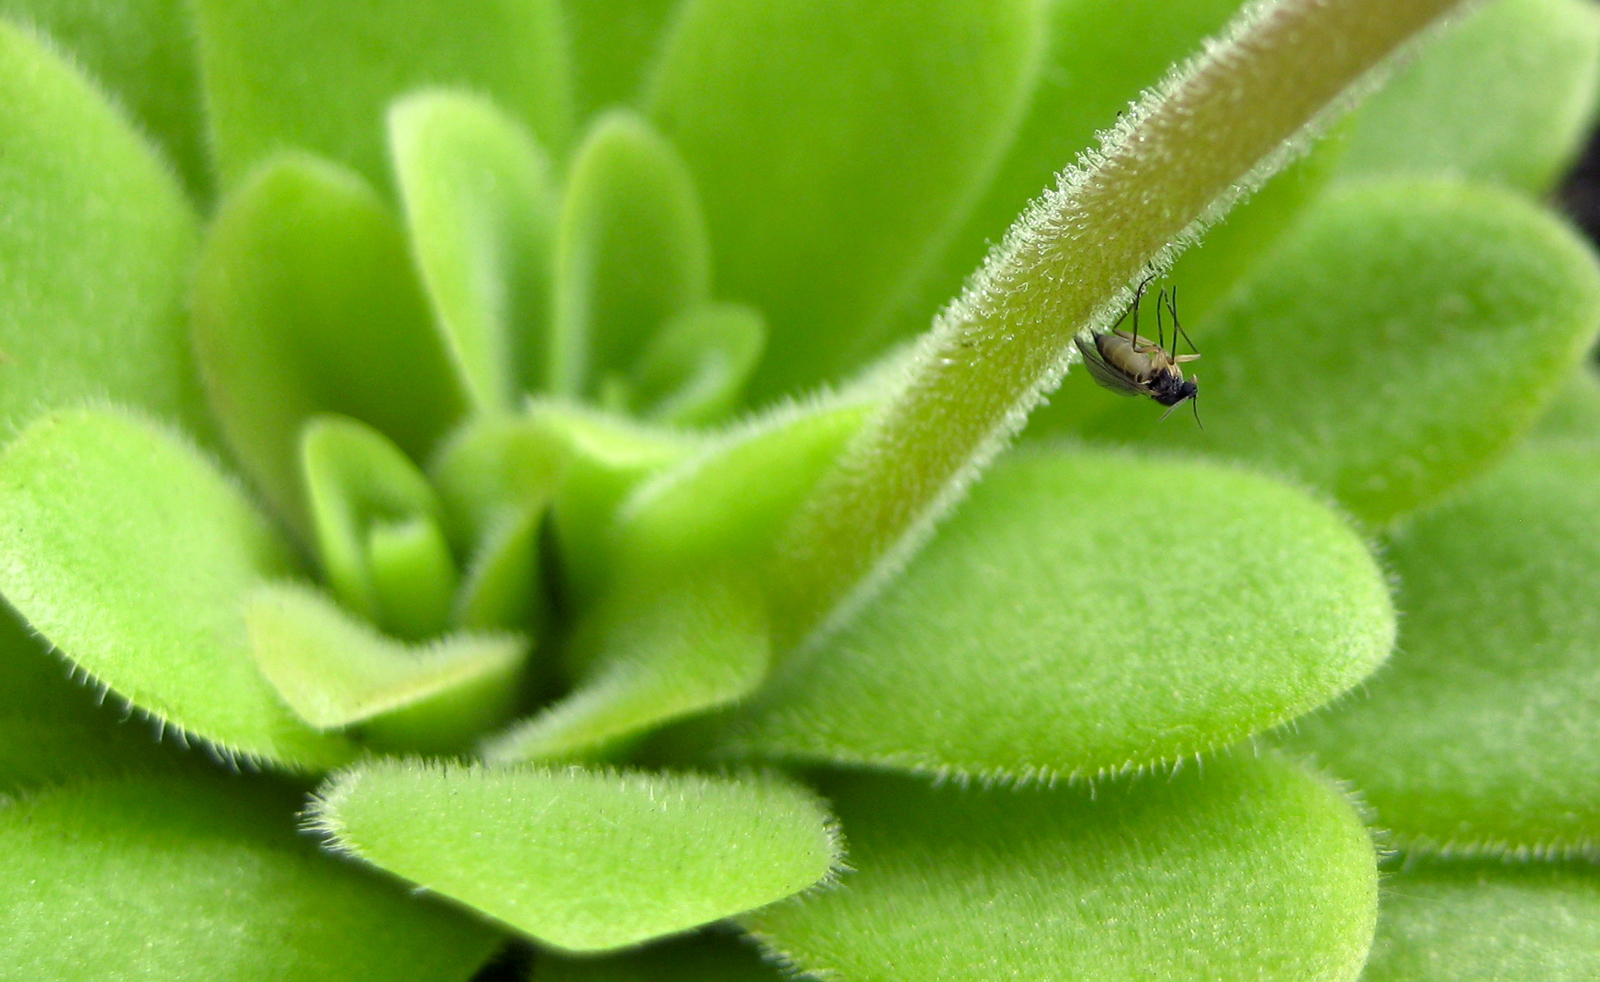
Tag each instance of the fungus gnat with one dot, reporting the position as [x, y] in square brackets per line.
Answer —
[1130, 365]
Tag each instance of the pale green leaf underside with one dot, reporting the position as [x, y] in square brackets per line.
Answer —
[305, 302]
[133, 555]
[1507, 95]
[1496, 922]
[584, 860]
[95, 250]
[480, 207]
[335, 670]
[163, 879]
[1480, 735]
[1086, 612]
[318, 76]
[835, 146]
[1473, 305]
[1249, 869]
[710, 957]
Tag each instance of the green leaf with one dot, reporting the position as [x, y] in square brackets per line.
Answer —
[305, 302]
[142, 51]
[656, 654]
[684, 626]
[1086, 613]
[584, 860]
[631, 254]
[1575, 410]
[1479, 737]
[1475, 922]
[695, 369]
[313, 75]
[172, 880]
[95, 250]
[54, 729]
[133, 555]
[1473, 307]
[836, 147]
[607, 457]
[1506, 95]
[1251, 869]
[379, 528]
[480, 208]
[336, 671]
[702, 958]
[614, 44]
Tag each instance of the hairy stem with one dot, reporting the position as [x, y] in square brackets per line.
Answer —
[1173, 165]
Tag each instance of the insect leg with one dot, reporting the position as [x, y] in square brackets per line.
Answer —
[1178, 328]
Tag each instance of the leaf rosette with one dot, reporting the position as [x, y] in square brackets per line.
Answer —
[508, 422]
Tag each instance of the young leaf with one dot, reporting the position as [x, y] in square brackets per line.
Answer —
[133, 555]
[196, 879]
[141, 51]
[87, 202]
[1481, 922]
[336, 671]
[1249, 869]
[613, 45]
[836, 146]
[378, 526]
[305, 302]
[683, 627]
[1085, 613]
[303, 73]
[631, 253]
[1474, 305]
[584, 860]
[480, 210]
[1506, 95]
[694, 371]
[1575, 410]
[1479, 736]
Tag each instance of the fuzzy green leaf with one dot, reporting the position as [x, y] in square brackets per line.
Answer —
[1251, 869]
[305, 302]
[95, 250]
[695, 369]
[684, 626]
[162, 879]
[1474, 922]
[133, 555]
[307, 74]
[1084, 613]
[1474, 305]
[704, 958]
[481, 211]
[140, 50]
[336, 671]
[1479, 737]
[1507, 95]
[836, 146]
[631, 254]
[379, 529]
[584, 860]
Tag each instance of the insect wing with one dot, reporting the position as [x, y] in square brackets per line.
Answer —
[1108, 376]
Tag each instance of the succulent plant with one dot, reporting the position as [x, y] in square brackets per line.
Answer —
[503, 455]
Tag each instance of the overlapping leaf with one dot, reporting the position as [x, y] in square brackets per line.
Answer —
[584, 860]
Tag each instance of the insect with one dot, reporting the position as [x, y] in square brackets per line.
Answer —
[1130, 365]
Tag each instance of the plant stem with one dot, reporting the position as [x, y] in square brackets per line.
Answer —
[1214, 131]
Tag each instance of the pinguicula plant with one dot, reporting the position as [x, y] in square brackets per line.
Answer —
[502, 452]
